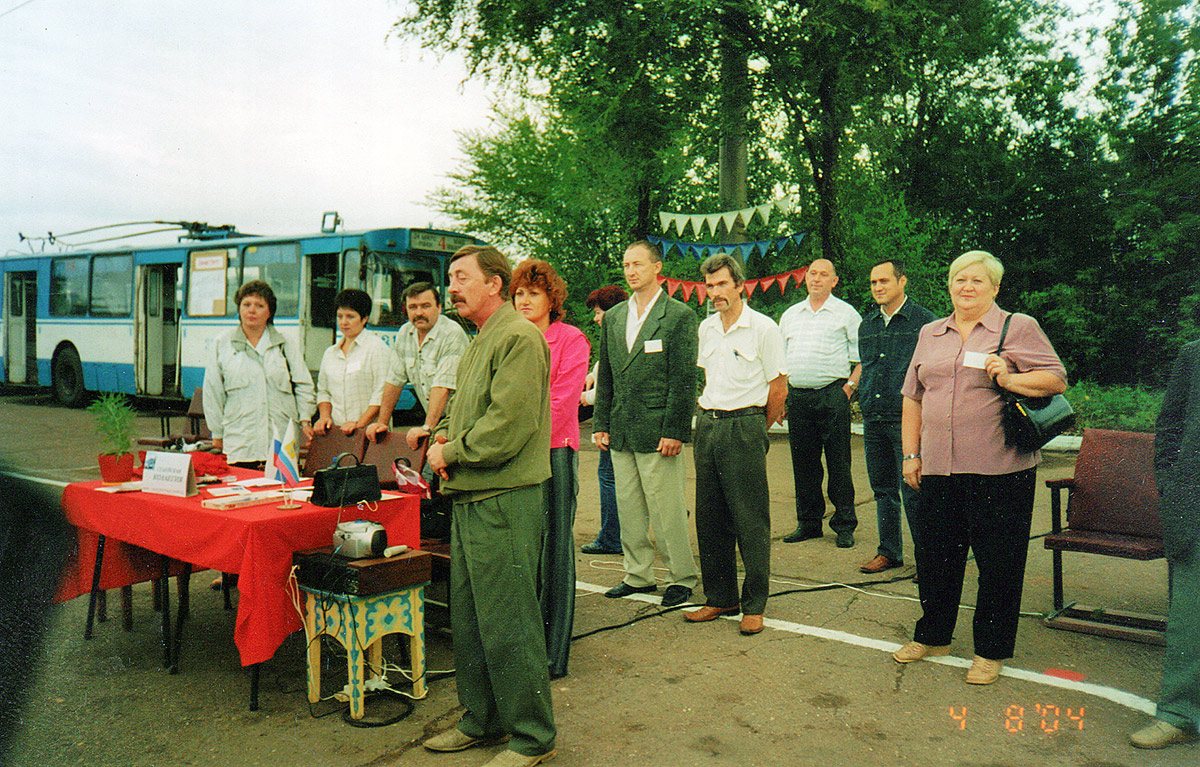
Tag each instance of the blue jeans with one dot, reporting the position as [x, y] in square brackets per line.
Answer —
[882, 449]
[609, 536]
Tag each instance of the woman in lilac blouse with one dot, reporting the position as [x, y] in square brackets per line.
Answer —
[538, 293]
[976, 492]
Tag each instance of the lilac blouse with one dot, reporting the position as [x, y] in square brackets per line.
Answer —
[961, 428]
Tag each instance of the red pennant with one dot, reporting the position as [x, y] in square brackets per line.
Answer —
[766, 282]
[687, 290]
[783, 281]
[702, 291]
[672, 286]
[750, 286]
[798, 275]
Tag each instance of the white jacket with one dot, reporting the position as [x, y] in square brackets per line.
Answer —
[248, 397]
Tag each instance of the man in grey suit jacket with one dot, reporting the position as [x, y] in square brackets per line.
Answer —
[645, 398]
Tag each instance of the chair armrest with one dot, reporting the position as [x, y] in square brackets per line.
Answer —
[1058, 484]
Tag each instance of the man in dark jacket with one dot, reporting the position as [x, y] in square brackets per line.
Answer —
[645, 398]
[886, 340]
[1177, 472]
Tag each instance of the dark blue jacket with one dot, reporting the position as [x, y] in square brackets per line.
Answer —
[885, 351]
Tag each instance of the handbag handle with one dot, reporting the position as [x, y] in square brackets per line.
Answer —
[338, 459]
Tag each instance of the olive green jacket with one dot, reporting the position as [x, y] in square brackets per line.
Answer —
[498, 420]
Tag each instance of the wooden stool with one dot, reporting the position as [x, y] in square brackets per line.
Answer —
[360, 624]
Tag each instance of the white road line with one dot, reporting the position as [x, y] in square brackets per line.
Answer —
[1127, 699]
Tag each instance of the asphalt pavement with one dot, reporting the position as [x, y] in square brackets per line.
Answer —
[817, 687]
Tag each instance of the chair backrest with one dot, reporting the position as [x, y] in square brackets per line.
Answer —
[388, 447]
[1114, 485]
[195, 413]
[325, 447]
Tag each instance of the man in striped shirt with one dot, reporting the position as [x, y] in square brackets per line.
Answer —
[820, 336]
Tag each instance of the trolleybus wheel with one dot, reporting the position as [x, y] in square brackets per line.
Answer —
[67, 377]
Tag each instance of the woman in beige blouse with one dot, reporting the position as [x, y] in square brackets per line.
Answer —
[976, 492]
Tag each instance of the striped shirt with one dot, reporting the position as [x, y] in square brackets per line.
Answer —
[352, 382]
[819, 347]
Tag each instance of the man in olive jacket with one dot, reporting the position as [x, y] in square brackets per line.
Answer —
[645, 399]
[492, 450]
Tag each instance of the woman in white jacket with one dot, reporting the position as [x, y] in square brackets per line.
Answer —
[255, 382]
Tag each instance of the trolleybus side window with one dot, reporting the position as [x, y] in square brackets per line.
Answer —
[278, 265]
[69, 286]
[112, 286]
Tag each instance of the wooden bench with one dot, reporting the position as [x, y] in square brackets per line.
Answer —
[1112, 510]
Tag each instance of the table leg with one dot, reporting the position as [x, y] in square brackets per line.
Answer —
[127, 607]
[166, 610]
[254, 686]
[91, 616]
[314, 648]
[184, 598]
[417, 643]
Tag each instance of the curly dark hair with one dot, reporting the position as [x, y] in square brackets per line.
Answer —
[606, 297]
[532, 273]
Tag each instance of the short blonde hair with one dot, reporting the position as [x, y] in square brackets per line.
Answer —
[995, 269]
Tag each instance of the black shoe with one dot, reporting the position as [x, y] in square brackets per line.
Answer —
[623, 589]
[845, 539]
[799, 534]
[676, 595]
[596, 548]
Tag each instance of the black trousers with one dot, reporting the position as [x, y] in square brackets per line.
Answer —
[819, 421]
[990, 515]
[733, 509]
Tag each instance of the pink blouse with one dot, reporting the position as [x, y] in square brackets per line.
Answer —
[569, 353]
[961, 428]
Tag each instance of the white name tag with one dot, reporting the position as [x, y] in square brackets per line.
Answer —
[355, 366]
[653, 345]
[974, 360]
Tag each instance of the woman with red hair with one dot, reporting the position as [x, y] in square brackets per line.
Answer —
[538, 293]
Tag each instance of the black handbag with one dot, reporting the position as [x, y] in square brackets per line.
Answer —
[338, 485]
[1031, 422]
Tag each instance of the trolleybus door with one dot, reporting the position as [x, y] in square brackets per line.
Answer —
[319, 322]
[158, 329]
[20, 312]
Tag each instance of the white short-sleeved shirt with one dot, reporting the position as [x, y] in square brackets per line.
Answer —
[739, 364]
[821, 346]
[352, 382]
[433, 362]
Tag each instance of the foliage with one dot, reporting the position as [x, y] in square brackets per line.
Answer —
[1124, 408]
[114, 419]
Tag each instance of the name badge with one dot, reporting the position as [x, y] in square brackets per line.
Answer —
[653, 345]
[974, 360]
[355, 366]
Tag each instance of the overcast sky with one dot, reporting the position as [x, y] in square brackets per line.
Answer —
[258, 113]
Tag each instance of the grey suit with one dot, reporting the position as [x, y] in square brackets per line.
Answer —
[643, 394]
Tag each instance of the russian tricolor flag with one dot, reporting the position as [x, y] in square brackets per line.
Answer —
[284, 459]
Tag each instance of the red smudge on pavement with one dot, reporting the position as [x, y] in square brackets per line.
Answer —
[1074, 676]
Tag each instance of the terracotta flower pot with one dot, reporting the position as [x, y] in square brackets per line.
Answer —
[115, 469]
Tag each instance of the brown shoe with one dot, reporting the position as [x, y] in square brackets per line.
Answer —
[984, 671]
[751, 625]
[879, 564]
[709, 613]
[914, 651]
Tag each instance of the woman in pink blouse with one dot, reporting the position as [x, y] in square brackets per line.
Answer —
[976, 492]
[538, 293]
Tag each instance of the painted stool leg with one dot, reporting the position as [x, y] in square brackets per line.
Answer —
[354, 657]
[314, 648]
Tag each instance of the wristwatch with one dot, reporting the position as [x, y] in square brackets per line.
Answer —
[912, 455]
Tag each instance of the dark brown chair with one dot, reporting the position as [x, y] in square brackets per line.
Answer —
[325, 447]
[388, 447]
[197, 427]
[1112, 510]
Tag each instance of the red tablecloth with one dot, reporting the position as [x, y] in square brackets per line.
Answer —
[256, 542]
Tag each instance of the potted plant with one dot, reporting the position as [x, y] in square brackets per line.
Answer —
[114, 423]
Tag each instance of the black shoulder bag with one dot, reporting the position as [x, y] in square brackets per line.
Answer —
[338, 485]
[1031, 422]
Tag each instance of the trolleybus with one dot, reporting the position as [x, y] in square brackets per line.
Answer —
[141, 320]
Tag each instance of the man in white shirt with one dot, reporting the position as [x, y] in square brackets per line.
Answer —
[820, 336]
[741, 352]
[428, 348]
